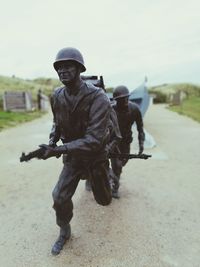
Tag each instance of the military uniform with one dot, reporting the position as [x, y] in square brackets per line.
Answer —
[81, 120]
[126, 118]
[82, 125]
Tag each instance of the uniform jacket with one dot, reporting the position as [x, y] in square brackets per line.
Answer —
[81, 121]
[126, 119]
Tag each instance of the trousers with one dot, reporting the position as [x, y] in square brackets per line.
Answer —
[97, 171]
[118, 164]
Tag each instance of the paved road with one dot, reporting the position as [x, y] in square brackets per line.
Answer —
[155, 222]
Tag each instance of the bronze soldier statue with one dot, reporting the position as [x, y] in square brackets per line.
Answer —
[128, 113]
[81, 120]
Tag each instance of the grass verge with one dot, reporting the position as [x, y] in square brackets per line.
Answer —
[10, 119]
[190, 107]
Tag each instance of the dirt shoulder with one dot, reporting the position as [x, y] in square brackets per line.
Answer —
[155, 222]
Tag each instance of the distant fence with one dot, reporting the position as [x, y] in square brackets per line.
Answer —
[22, 101]
[17, 101]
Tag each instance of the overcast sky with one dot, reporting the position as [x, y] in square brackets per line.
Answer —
[122, 40]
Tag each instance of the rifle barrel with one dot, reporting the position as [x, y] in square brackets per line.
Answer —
[129, 156]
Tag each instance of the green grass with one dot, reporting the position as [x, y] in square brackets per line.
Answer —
[10, 119]
[189, 107]
[191, 104]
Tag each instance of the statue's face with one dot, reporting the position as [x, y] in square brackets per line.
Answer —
[67, 71]
[122, 103]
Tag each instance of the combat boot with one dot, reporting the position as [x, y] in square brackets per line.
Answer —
[115, 194]
[65, 233]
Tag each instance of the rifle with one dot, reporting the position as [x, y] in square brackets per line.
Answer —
[128, 156]
[38, 153]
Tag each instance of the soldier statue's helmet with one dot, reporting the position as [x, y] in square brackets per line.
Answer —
[120, 92]
[72, 54]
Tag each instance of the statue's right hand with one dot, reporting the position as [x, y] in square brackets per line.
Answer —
[48, 151]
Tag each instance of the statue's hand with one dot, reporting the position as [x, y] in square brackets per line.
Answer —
[50, 151]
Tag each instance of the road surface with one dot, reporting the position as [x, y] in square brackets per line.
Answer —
[155, 222]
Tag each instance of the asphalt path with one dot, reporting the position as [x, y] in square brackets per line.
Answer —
[154, 223]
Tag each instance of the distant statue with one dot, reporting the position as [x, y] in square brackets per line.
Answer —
[39, 99]
[128, 113]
